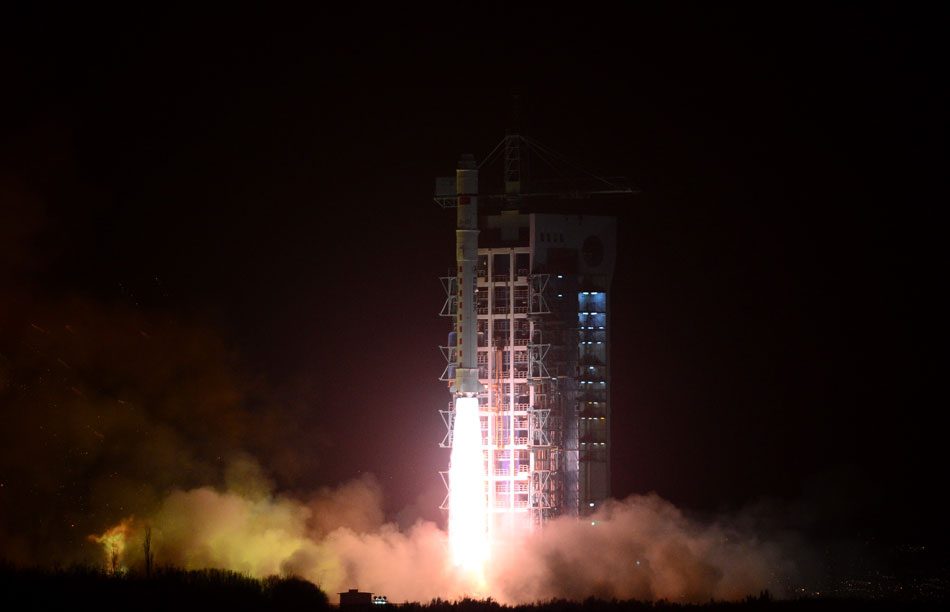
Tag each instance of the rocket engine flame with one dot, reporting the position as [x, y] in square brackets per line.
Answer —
[468, 540]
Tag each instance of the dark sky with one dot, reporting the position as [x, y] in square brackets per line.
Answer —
[255, 189]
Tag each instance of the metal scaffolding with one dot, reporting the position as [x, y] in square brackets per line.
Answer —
[518, 444]
[542, 355]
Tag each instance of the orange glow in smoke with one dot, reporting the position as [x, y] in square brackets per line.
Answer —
[468, 540]
[113, 541]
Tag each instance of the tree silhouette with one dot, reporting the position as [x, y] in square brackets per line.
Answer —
[147, 548]
[114, 558]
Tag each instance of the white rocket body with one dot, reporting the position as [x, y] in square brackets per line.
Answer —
[466, 255]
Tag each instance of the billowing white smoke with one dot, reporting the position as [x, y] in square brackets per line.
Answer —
[641, 548]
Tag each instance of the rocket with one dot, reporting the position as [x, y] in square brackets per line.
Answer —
[466, 256]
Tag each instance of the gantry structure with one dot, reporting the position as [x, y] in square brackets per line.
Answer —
[543, 352]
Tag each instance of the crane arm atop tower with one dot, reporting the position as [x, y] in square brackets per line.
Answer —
[571, 181]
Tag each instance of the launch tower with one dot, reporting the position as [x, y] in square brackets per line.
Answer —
[542, 310]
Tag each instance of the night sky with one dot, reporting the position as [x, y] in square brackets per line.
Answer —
[225, 221]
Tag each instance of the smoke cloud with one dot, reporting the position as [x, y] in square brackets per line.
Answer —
[640, 548]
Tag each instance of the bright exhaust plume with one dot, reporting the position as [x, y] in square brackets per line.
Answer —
[468, 539]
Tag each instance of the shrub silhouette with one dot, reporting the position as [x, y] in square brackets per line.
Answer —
[83, 587]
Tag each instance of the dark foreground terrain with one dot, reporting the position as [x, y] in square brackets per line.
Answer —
[83, 588]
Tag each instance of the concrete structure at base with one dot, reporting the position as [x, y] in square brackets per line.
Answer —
[355, 597]
[543, 357]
